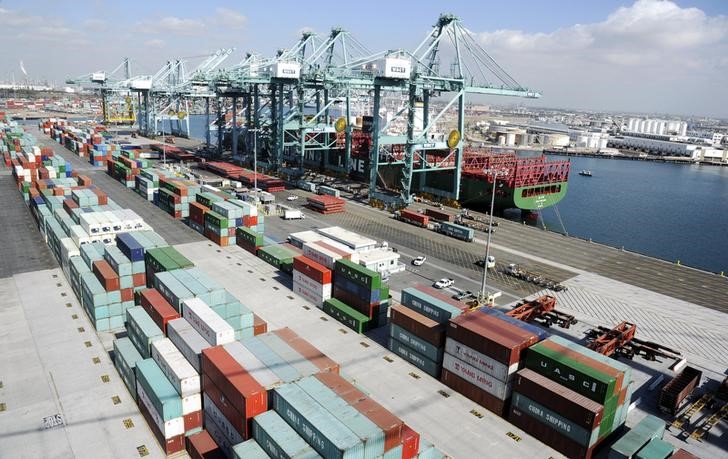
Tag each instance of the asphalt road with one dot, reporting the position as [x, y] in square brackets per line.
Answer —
[541, 251]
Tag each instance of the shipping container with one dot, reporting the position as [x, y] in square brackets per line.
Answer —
[249, 449]
[418, 324]
[480, 361]
[311, 269]
[682, 454]
[348, 316]
[207, 322]
[553, 419]
[439, 215]
[126, 357]
[157, 307]
[415, 343]
[649, 428]
[491, 336]
[306, 349]
[142, 330]
[368, 432]
[413, 218]
[217, 433]
[327, 435]
[244, 392]
[549, 436]
[430, 367]
[230, 426]
[429, 306]
[482, 380]
[281, 368]
[677, 390]
[188, 340]
[175, 366]
[164, 398]
[552, 395]
[456, 231]
[656, 449]
[354, 272]
[202, 446]
[278, 439]
[573, 370]
[257, 369]
[171, 445]
[384, 419]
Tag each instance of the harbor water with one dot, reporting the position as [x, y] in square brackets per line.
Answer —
[668, 211]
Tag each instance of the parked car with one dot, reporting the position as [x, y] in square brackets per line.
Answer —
[419, 261]
[491, 262]
[444, 283]
[461, 295]
[292, 198]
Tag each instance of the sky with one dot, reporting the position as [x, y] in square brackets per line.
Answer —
[650, 56]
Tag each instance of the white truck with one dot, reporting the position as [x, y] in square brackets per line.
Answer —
[293, 214]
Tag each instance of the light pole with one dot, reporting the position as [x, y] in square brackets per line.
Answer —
[255, 161]
[484, 295]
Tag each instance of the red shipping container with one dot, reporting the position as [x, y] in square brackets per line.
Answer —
[197, 212]
[491, 336]
[103, 199]
[414, 217]
[311, 269]
[139, 280]
[127, 294]
[169, 446]
[306, 349]
[475, 393]
[417, 324]
[223, 405]
[410, 442]
[549, 436]
[202, 446]
[157, 307]
[243, 391]
[260, 326]
[106, 275]
[68, 204]
[249, 220]
[193, 420]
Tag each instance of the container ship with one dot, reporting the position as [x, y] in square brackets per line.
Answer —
[529, 183]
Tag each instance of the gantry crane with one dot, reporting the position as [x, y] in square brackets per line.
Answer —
[113, 87]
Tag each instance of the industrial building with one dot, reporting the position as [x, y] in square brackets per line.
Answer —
[668, 147]
[657, 126]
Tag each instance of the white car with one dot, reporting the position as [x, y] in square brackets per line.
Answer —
[444, 283]
[419, 261]
[292, 198]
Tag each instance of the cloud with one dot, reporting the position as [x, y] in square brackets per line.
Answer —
[184, 26]
[14, 18]
[226, 17]
[650, 53]
[95, 24]
[155, 43]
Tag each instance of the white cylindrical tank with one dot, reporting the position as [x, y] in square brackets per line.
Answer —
[510, 139]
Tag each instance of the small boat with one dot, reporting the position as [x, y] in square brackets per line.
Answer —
[585, 173]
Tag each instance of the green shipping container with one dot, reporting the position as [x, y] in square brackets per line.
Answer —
[347, 315]
[358, 274]
[249, 236]
[649, 428]
[656, 449]
[575, 375]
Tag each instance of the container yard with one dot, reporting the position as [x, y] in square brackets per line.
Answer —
[239, 345]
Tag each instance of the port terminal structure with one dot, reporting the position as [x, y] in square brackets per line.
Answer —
[283, 106]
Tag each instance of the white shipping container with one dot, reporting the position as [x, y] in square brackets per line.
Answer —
[257, 369]
[90, 223]
[310, 295]
[213, 413]
[207, 322]
[189, 342]
[302, 279]
[191, 404]
[480, 361]
[488, 383]
[169, 429]
[176, 368]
